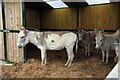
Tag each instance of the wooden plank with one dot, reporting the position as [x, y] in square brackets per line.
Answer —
[1, 35]
[59, 19]
[13, 14]
[119, 16]
[87, 19]
[109, 16]
[32, 18]
[13, 17]
[99, 16]
[1, 25]
[14, 53]
[1, 46]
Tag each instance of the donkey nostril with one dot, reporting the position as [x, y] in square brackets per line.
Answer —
[52, 41]
[19, 46]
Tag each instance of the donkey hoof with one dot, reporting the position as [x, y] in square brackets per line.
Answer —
[43, 64]
[66, 65]
[106, 62]
[88, 54]
[102, 60]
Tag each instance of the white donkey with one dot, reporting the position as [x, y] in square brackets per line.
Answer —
[48, 40]
[107, 42]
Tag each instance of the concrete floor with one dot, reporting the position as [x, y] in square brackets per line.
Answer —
[2, 62]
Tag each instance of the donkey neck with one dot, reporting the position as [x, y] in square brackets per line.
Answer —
[32, 37]
[86, 35]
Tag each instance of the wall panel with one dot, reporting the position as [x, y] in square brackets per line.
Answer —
[99, 16]
[32, 18]
[59, 19]
[119, 16]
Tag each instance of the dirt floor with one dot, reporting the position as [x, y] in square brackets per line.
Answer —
[82, 66]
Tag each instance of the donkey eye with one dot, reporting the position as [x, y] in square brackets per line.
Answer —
[22, 36]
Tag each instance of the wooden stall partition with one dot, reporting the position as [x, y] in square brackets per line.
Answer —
[1, 35]
[14, 54]
[100, 16]
[32, 18]
[59, 19]
[13, 14]
[108, 17]
[119, 15]
[13, 17]
[87, 17]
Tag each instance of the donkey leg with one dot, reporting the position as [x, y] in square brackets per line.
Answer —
[116, 51]
[68, 60]
[88, 49]
[107, 55]
[103, 55]
[98, 51]
[70, 56]
[43, 56]
[71, 59]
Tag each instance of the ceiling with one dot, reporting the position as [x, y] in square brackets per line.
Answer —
[43, 5]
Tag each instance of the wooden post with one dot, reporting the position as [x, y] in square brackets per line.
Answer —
[13, 16]
[1, 34]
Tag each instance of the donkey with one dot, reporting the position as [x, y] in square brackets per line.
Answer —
[49, 40]
[87, 38]
[107, 42]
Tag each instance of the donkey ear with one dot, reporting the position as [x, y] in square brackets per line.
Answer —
[82, 29]
[102, 31]
[96, 31]
[21, 28]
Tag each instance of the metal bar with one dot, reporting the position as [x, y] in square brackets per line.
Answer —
[24, 24]
[4, 27]
[17, 31]
[65, 30]
[10, 31]
[77, 17]
[7, 61]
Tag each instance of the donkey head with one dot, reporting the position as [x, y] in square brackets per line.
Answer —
[81, 33]
[99, 38]
[23, 37]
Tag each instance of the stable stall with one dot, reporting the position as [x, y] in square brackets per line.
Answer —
[39, 16]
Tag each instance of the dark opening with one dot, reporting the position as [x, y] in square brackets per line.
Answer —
[32, 51]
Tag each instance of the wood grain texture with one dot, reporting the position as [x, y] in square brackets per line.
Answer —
[13, 52]
[99, 16]
[32, 18]
[1, 35]
[13, 17]
[119, 16]
[59, 19]
[13, 14]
